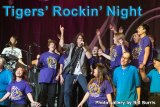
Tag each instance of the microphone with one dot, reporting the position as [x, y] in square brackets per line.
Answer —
[82, 44]
[35, 44]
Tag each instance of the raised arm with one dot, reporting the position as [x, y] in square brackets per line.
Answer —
[87, 52]
[100, 53]
[99, 40]
[61, 41]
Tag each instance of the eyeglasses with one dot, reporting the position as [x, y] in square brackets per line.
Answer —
[124, 57]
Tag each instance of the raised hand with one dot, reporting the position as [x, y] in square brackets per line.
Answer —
[98, 32]
[120, 30]
[111, 27]
[100, 52]
[61, 29]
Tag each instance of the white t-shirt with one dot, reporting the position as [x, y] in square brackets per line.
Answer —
[12, 51]
[78, 69]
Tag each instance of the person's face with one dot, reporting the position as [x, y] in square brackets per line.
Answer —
[52, 46]
[136, 38]
[95, 72]
[156, 63]
[99, 51]
[95, 50]
[79, 39]
[125, 59]
[13, 40]
[19, 72]
[140, 30]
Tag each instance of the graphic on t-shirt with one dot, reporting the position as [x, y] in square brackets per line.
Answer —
[52, 62]
[94, 90]
[113, 54]
[15, 93]
[136, 52]
[12, 52]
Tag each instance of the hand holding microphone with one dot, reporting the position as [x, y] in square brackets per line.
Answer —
[81, 43]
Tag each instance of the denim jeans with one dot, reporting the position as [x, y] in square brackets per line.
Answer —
[68, 85]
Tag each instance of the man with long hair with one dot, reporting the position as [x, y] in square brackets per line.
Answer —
[76, 67]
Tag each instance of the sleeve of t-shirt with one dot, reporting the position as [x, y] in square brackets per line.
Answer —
[9, 77]
[9, 88]
[115, 78]
[4, 51]
[109, 88]
[61, 60]
[146, 42]
[149, 75]
[137, 77]
[28, 89]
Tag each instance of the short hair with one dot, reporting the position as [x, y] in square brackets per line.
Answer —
[146, 27]
[128, 54]
[51, 41]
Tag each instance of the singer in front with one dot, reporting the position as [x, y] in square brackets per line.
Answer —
[75, 68]
[13, 53]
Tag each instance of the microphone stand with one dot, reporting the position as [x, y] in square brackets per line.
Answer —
[32, 76]
[28, 58]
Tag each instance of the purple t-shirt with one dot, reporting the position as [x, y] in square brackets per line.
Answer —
[62, 59]
[97, 94]
[145, 42]
[134, 50]
[19, 91]
[48, 71]
[116, 54]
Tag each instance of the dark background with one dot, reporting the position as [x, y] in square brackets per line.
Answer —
[40, 29]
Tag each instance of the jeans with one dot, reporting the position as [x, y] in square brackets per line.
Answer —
[47, 94]
[68, 85]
